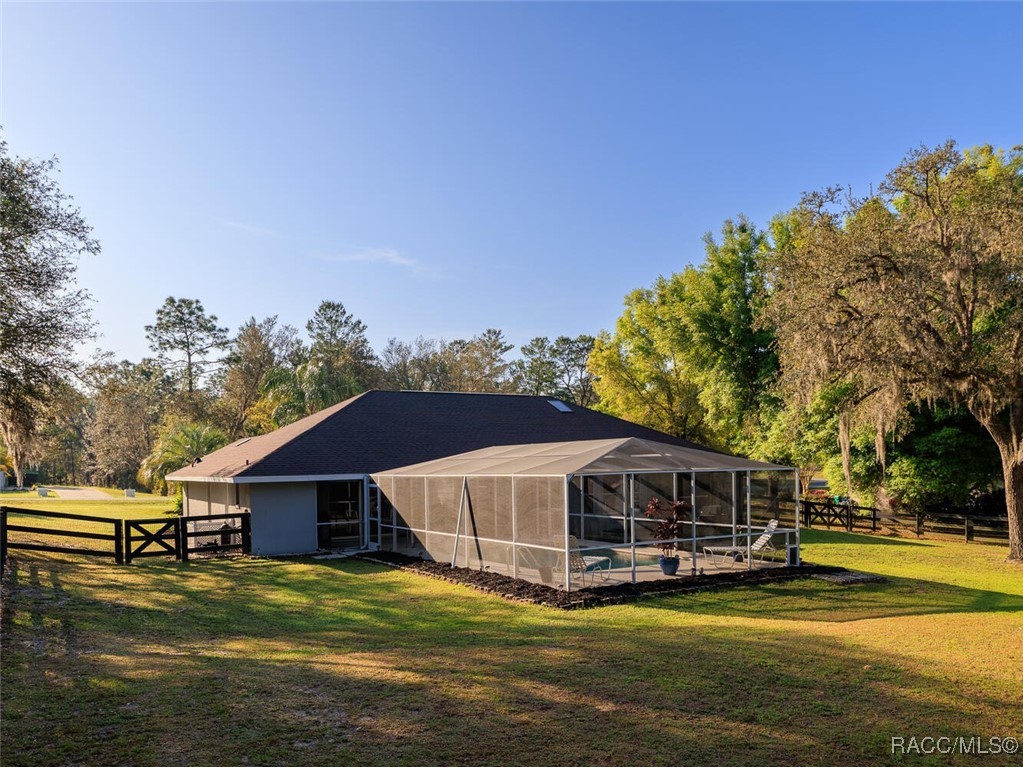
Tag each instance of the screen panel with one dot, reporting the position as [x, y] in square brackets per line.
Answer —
[540, 510]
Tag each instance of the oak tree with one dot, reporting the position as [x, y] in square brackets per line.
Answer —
[913, 294]
[44, 316]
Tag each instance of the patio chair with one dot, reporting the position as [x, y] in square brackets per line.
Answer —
[592, 566]
[721, 556]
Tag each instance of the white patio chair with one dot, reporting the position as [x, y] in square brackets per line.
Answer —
[721, 556]
[584, 565]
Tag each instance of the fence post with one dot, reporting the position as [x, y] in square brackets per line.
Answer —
[183, 538]
[848, 517]
[873, 520]
[966, 528]
[119, 541]
[127, 542]
[919, 524]
[177, 538]
[246, 534]
[3, 540]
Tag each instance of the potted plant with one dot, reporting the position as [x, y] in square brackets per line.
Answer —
[669, 528]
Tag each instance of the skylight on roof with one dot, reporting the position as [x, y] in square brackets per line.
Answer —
[242, 441]
[557, 404]
[645, 455]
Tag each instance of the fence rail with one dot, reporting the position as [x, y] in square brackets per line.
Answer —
[852, 517]
[6, 544]
[839, 515]
[165, 539]
[230, 538]
[131, 538]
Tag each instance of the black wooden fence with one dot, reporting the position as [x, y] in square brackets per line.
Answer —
[851, 517]
[846, 516]
[130, 538]
[208, 536]
[115, 536]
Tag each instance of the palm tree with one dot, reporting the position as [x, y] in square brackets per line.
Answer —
[294, 393]
[179, 447]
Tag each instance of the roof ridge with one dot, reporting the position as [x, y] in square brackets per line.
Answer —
[470, 393]
[387, 429]
[321, 415]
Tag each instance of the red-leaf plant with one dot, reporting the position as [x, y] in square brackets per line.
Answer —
[670, 522]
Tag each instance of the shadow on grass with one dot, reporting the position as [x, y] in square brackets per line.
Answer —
[811, 536]
[812, 600]
[273, 663]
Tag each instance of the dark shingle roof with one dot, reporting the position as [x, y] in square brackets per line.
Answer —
[382, 430]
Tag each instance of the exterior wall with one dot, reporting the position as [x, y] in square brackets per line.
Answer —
[283, 517]
[204, 498]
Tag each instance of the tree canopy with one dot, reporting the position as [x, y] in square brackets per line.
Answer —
[340, 348]
[260, 347]
[44, 315]
[183, 327]
[641, 372]
[177, 447]
[690, 356]
[556, 368]
[913, 294]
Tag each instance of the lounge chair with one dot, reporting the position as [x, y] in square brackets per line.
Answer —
[730, 556]
[592, 566]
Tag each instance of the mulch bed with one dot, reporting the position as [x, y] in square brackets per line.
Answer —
[539, 594]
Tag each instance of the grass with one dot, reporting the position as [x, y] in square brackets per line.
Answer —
[114, 492]
[324, 662]
[152, 507]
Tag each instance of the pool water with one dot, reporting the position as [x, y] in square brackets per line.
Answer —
[623, 559]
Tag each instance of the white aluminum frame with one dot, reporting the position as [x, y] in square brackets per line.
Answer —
[628, 517]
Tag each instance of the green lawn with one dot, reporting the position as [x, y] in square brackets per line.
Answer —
[114, 492]
[333, 662]
[122, 508]
[150, 507]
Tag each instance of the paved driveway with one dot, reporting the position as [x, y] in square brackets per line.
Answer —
[79, 493]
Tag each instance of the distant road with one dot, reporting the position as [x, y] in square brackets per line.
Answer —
[79, 493]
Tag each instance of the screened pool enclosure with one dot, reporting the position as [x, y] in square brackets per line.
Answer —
[572, 513]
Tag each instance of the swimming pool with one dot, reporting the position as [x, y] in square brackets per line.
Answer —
[623, 558]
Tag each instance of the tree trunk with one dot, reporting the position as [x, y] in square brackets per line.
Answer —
[1006, 429]
[1012, 467]
[17, 454]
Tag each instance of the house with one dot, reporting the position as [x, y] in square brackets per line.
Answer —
[331, 481]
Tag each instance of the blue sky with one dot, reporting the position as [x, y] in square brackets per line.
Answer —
[443, 168]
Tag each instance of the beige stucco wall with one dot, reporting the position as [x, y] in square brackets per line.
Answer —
[283, 514]
[205, 498]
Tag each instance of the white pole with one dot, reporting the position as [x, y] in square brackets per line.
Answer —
[515, 531]
[692, 502]
[735, 504]
[632, 522]
[749, 520]
[693, 514]
[568, 559]
[458, 524]
[799, 508]
[632, 536]
[364, 516]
